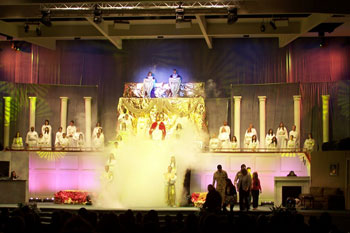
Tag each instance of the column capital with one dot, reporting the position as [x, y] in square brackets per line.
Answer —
[262, 98]
[87, 97]
[32, 97]
[64, 98]
[7, 97]
[237, 98]
[296, 97]
[325, 97]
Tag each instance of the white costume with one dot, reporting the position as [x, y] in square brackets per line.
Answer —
[63, 142]
[272, 146]
[295, 137]
[79, 143]
[282, 137]
[234, 145]
[71, 130]
[43, 130]
[17, 143]
[98, 143]
[226, 145]
[175, 83]
[41, 142]
[214, 144]
[309, 144]
[291, 144]
[32, 139]
[254, 145]
[148, 84]
[95, 131]
[248, 137]
[47, 141]
[268, 139]
[58, 138]
[224, 133]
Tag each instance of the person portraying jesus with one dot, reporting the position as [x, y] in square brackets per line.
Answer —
[157, 131]
[174, 83]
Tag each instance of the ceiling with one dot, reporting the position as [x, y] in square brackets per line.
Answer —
[206, 19]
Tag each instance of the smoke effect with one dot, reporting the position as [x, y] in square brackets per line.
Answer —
[211, 90]
[138, 177]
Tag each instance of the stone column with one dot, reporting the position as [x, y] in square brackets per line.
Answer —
[262, 120]
[64, 102]
[325, 117]
[237, 116]
[297, 101]
[88, 121]
[7, 118]
[32, 108]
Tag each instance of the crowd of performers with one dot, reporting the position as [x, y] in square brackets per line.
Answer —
[174, 84]
[282, 140]
[223, 192]
[73, 139]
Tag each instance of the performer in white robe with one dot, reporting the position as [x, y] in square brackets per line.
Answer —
[47, 139]
[224, 132]
[282, 136]
[44, 126]
[98, 142]
[268, 138]
[94, 132]
[148, 84]
[63, 141]
[309, 143]
[295, 136]
[142, 125]
[71, 129]
[41, 142]
[249, 133]
[254, 144]
[273, 145]
[58, 136]
[32, 139]
[214, 143]
[17, 143]
[291, 145]
[78, 139]
[234, 143]
[174, 83]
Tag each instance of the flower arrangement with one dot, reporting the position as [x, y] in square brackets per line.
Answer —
[198, 198]
[71, 197]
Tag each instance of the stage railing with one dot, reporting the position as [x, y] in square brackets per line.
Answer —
[55, 149]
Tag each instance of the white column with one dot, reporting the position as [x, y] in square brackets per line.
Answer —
[297, 101]
[325, 117]
[237, 116]
[64, 101]
[262, 119]
[32, 107]
[88, 121]
[7, 118]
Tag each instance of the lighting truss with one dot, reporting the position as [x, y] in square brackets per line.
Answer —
[142, 5]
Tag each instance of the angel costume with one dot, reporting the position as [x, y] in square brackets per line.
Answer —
[174, 83]
[282, 137]
[32, 139]
[148, 84]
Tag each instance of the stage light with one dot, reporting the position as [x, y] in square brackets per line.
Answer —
[26, 28]
[232, 15]
[46, 18]
[38, 30]
[179, 14]
[322, 39]
[97, 15]
[273, 25]
[31, 199]
[262, 27]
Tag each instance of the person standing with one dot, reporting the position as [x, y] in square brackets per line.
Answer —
[309, 143]
[249, 133]
[96, 129]
[295, 135]
[282, 136]
[47, 134]
[157, 131]
[71, 130]
[239, 174]
[47, 138]
[256, 190]
[244, 185]
[219, 179]
[254, 144]
[268, 138]
[224, 132]
[170, 181]
[58, 137]
[291, 145]
[230, 195]
[214, 143]
[32, 138]
[175, 83]
[148, 84]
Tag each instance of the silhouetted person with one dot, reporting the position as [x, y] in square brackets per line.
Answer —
[230, 195]
[213, 200]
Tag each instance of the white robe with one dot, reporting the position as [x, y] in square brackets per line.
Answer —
[76, 139]
[291, 144]
[282, 137]
[295, 137]
[41, 142]
[214, 144]
[272, 147]
[309, 144]
[43, 130]
[58, 137]
[95, 131]
[70, 133]
[254, 145]
[174, 83]
[268, 139]
[47, 141]
[17, 143]
[234, 145]
[148, 84]
[64, 142]
[224, 136]
[98, 143]
[248, 137]
[226, 145]
[32, 139]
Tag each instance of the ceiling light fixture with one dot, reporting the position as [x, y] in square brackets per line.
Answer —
[273, 25]
[232, 15]
[97, 15]
[46, 18]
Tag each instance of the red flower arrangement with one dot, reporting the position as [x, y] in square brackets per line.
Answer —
[71, 197]
[198, 198]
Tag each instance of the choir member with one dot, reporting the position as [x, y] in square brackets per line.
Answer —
[148, 84]
[174, 83]
[295, 136]
[224, 132]
[71, 129]
[76, 138]
[81, 142]
[309, 143]
[234, 143]
[111, 161]
[17, 143]
[226, 145]
[268, 138]
[291, 143]
[214, 143]
[254, 144]
[32, 138]
[41, 141]
[178, 131]
[47, 138]
[94, 132]
[157, 130]
[249, 134]
[64, 141]
[273, 145]
[58, 136]
[44, 126]
[282, 136]
[98, 142]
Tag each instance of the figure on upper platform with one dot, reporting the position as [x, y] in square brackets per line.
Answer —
[71, 130]
[96, 129]
[268, 138]
[32, 138]
[295, 136]
[157, 130]
[291, 145]
[234, 143]
[148, 84]
[58, 136]
[47, 138]
[174, 83]
[254, 144]
[282, 136]
[249, 133]
[309, 143]
[224, 132]
[214, 143]
[48, 133]
[17, 143]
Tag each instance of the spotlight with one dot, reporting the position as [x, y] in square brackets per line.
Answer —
[179, 14]
[273, 25]
[46, 18]
[262, 27]
[322, 39]
[232, 16]
[97, 15]
[38, 31]
[26, 28]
